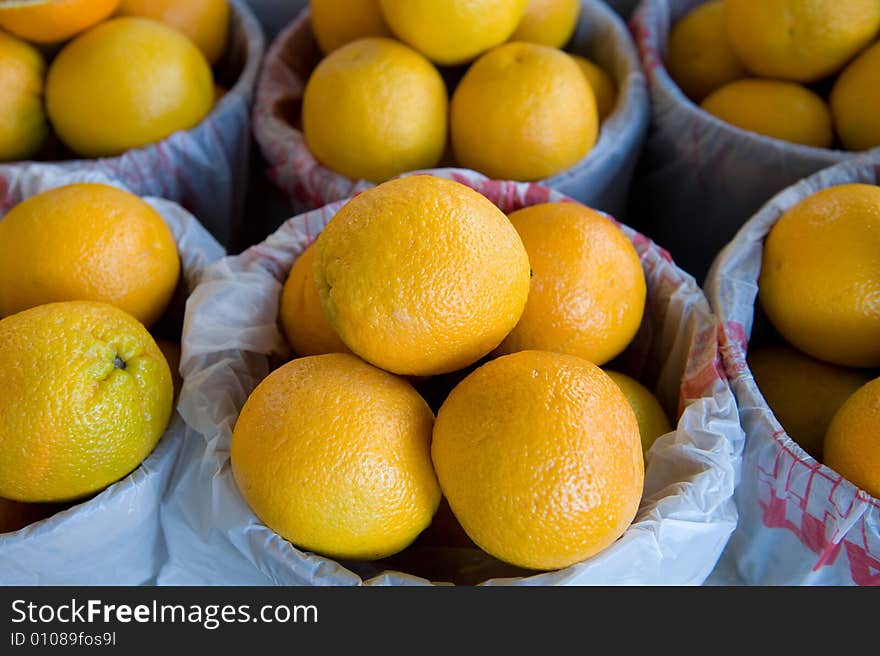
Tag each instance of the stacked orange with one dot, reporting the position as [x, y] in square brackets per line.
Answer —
[422, 279]
[377, 105]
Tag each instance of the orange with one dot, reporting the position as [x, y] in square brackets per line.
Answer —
[127, 83]
[782, 110]
[171, 351]
[87, 395]
[23, 126]
[421, 275]
[803, 393]
[334, 455]
[820, 276]
[852, 446]
[206, 22]
[799, 40]
[603, 86]
[539, 457]
[588, 289]
[549, 22]
[452, 32]
[374, 109]
[855, 102]
[699, 58]
[523, 111]
[89, 242]
[302, 318]
[338, 22]
[652, 419]
[49, 21]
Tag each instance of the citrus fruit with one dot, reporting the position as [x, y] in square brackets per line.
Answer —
[452, 32]
[337, 22]
[90, 242]
[799, 40]
[205, 22]
[855, 102]
[87, 395]
[374, 109]
[334, 455]
[852, 445]
[302, 318]
[171, 351]
[539, 457]
[782, 110]
[588, 290]
[50, 21]
[803, 393]
[15, 516]
[549, 22]
[820, 275]
[603, 86]
[651, 417]
[699, 58]
[421, 275]
[126, 83]
[23, 127]
[523, 111]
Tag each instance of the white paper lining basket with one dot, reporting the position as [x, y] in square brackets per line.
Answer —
[800, 523]
[600, 180]
[232, 340]
[112, 538]
[205, 169]
[700, 178]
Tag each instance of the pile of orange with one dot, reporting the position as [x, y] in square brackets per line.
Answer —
[819, 287]
[86, 270]
[406, 85]
[803, 72]
[105, 76]
[421, 289]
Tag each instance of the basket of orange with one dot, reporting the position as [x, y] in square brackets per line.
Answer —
[93, 281]
[451, 379]
[353, 94]
[155, 94]
[748, 99]
[795, 291]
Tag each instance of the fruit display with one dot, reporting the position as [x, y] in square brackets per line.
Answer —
[753, 64]
[537, 90]
[431, 404]
[800, 348]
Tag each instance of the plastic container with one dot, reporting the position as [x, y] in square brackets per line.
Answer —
[232, 340]
[113, 538]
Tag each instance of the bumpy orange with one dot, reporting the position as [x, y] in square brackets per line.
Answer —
[539, 457]
[820, 276]
[453, 32]
[421, 275]
[852, 445]
[127, 83]
[782, 110]
[23, 128]
[802, 392]
[302, 318]
[588, 289]
[699, 58]
[89, 242]
[338, 22]
[523, 111]
[374, 109]
[87, 396]
[549, 22]
[206, 22]
[334, 455]
[50, 21]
